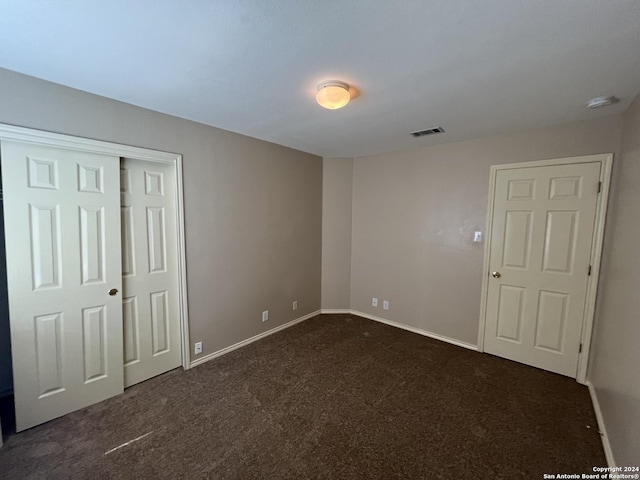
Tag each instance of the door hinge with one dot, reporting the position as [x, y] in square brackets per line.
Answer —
[580, 349]
[589, 271]
[599, 187]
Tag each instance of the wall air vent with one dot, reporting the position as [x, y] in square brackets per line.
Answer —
[428, 131]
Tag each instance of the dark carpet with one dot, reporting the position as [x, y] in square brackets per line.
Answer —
[337, 396]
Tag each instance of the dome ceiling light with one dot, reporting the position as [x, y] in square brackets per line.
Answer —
[600, 102]
[333, 95]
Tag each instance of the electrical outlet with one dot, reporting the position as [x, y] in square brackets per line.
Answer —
[265, 315]
[374, 302]
[385, 304]
[295, 305]
[197, 348]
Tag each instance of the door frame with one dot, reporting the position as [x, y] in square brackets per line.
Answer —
[40, 137]
[606, 161]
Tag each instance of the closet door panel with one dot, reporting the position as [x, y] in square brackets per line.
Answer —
[152, 318]
[62, 226]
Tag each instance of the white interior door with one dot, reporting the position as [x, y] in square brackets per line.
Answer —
[541, 240]
[62, 227]
[152, 342]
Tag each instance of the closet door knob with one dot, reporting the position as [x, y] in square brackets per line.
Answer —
[496, 275]
[113, 291]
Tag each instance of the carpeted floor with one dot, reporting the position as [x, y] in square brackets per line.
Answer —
[337, 396]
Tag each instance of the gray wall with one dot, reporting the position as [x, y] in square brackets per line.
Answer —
[336, 232]
[414, 214]
[615, 360]
[253, 209]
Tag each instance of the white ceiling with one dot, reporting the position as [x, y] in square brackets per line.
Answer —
[476, 68]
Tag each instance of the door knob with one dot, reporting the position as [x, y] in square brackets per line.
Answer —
[113, 291]
[496, 275]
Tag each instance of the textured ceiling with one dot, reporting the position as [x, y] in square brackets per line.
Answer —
[251, 66]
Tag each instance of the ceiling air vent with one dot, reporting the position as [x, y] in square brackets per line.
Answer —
[428, 131]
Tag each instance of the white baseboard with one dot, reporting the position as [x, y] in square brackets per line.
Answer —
[419, 331]
[235, 346]
[601, 426]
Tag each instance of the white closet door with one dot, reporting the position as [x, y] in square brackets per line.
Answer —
[152, 343]
[62, 224]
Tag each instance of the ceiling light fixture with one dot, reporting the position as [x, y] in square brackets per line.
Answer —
[333, 95]
[600, 102]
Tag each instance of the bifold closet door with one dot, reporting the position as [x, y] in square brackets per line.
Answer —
[152, 343]
[62, 227]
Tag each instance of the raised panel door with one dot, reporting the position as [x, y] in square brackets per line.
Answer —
[152, 337]
[542, 231]
[62, 224]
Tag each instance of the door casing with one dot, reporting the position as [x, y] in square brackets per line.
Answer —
[39, 137]
[606, 161]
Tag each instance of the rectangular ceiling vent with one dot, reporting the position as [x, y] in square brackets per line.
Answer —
[428, 131]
